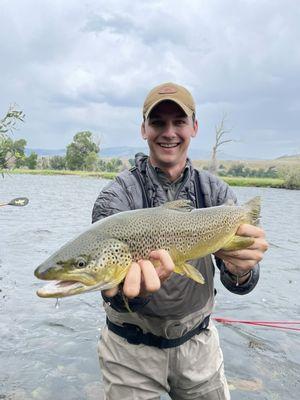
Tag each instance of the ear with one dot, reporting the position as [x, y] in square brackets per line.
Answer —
[195, 126]
[143, 131]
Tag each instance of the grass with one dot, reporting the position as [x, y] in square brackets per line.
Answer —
[255, 182]
[103, 175]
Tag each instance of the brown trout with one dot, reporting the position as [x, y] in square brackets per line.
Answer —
[100, 257]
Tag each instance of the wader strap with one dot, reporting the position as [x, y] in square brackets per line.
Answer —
[200, 200]
[134, 335]
[139, 179]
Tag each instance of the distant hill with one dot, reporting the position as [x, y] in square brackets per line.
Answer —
[130, 151]
[295, 157]
[46, 152]
[122, 151]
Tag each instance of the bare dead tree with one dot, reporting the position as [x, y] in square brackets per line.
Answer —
[220, 132]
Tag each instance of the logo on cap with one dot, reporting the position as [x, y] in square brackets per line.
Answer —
[167, 90]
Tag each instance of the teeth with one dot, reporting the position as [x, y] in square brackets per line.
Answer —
[168, 145]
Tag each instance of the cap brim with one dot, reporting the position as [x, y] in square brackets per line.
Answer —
[186, 109]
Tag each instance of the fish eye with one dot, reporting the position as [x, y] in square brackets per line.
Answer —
[81, 263]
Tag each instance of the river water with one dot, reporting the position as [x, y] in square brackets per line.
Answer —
[49, 351]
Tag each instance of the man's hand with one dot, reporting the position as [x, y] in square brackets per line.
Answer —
[143, 278]
[239, 262]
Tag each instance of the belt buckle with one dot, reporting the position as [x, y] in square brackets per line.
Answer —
[134, 333]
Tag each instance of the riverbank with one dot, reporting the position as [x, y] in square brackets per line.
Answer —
[95, 174]
[232, 181]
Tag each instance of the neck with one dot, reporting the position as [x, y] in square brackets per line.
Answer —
[171, 172]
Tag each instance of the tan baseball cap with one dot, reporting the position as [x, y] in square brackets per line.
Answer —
[169, 91]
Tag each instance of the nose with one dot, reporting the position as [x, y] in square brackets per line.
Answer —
[169, 130]
[45, 270]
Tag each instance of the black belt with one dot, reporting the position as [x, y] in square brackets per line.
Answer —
[135, 335]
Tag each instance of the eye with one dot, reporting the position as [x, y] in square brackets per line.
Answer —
[80, 263]
[157, 123]
[180, 122]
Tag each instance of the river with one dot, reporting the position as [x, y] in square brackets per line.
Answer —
[49, 351]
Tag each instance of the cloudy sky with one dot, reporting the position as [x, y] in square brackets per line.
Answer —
[88, 65]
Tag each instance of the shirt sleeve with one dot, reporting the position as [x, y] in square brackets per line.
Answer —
[112, 199]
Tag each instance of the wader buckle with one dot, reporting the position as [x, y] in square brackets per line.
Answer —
[134, 334]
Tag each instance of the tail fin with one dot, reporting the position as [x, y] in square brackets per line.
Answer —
[253, 207]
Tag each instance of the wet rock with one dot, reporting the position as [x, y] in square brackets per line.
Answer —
[256, 344]
[254, 385]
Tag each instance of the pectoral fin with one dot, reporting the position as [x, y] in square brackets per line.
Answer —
[238, 243]
[126, 303]
[190, 271]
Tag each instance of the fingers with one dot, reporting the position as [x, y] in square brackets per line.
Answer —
[111, 292]
[239, 261]
[242, 259]
[250, 253]
[250, 230]
[143, 278]
[166, 264]
[132, 283]
[151, 279]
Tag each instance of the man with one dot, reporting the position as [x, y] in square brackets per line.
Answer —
[168, 343]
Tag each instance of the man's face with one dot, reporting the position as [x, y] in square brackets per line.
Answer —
[168, 131]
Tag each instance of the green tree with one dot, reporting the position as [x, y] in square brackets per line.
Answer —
[91, 161]
[43, 163]
[12, 152]
[57, 162]
[236, 170]
[131, 162]
[113, 165]
[78, 151]
[31, 160]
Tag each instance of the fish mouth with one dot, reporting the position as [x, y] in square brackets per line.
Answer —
[59, 288]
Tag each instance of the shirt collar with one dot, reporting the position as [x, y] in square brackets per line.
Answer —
[164, 179]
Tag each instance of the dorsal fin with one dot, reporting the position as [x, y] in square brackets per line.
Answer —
[179, 205]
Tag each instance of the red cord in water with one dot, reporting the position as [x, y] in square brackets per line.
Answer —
[271, 324]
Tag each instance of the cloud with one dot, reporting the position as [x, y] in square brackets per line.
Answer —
[72, 65]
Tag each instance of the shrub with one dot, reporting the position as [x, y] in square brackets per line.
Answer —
[291, 177]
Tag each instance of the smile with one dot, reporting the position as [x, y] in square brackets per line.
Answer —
[168, 145]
